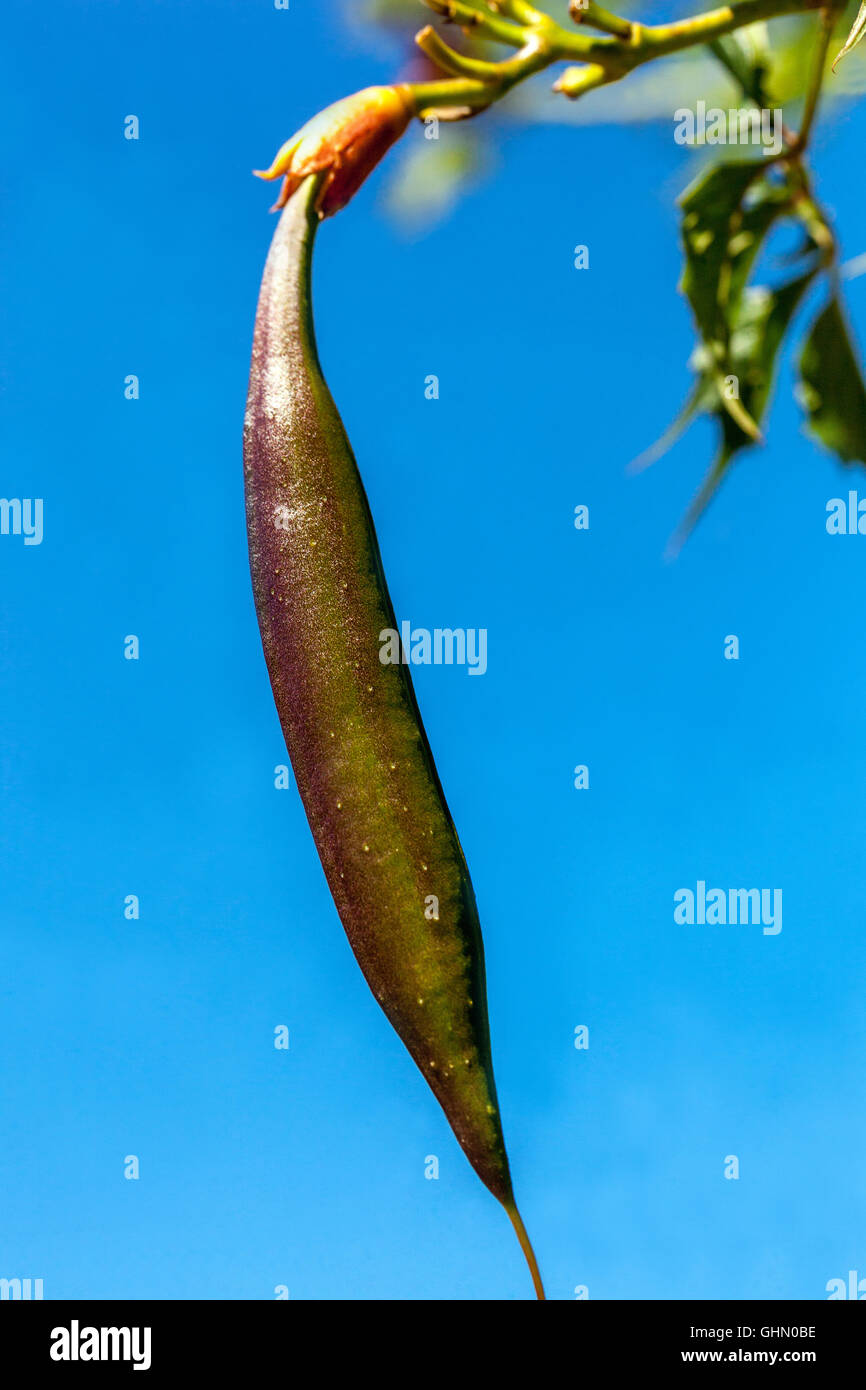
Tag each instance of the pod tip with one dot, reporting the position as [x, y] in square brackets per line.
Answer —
[526, 1246]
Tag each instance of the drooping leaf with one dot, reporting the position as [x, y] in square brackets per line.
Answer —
[857, 32]
[764, 203]
[709, 206]
[727, 215]
[832, 389]
[762, 320]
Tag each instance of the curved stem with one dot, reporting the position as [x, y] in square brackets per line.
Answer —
[468, 95]
[457, 64]
[816, 79]
[526, 1246]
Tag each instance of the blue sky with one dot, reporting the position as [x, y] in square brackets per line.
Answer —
[155, 1037]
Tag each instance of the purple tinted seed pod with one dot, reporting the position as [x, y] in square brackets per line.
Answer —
[354, 734]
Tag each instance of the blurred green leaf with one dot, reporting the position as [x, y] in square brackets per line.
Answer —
[764, 203]
[710, 209]
[763, 319]
[832, 389]
[748, 57]
[430, 177]
[728, 213]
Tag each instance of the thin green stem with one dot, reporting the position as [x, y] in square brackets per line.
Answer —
[480, 21]
[467, 95]
[816, 77]
[804, 205]
[449, 60]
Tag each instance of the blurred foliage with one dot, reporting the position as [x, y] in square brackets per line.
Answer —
[649, 94]
[728, 216]
[431, 177]
[730, 213]
[831, 388]
[669, 83]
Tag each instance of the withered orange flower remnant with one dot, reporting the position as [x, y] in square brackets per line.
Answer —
[344, 142]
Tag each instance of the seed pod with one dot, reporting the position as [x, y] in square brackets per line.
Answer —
[352, 726]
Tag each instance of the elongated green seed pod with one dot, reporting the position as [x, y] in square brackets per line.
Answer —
[352, 726]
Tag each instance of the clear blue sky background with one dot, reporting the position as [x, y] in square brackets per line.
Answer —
[155, 1037]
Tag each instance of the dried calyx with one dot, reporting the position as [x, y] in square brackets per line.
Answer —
[344, 143]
